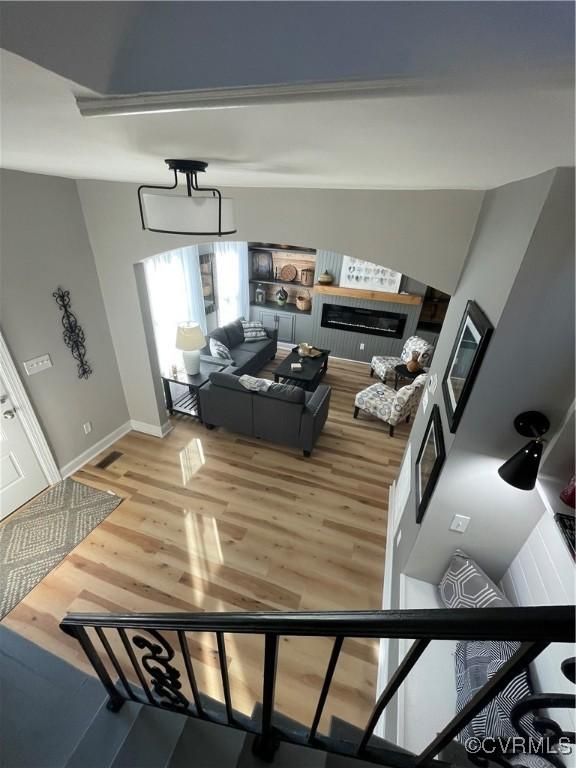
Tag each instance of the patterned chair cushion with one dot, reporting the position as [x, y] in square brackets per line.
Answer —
[382, 366]
[416, 344]
[388, 404]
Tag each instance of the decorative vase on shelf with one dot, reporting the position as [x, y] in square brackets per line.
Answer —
[281, 297]
[326, 278]
[413, 365]
[260, 294]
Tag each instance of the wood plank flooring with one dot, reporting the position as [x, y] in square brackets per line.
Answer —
[215, 521]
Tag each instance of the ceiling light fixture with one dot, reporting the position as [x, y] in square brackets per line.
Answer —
[176, 214]
[521, 470]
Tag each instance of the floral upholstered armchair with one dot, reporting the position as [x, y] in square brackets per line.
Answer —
[384, 365]
[388, 404]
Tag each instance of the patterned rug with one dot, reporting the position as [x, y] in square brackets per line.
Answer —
[34, 540]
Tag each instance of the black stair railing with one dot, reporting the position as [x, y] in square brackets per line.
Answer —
[159, 679]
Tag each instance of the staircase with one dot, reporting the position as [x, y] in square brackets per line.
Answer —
[146, 710]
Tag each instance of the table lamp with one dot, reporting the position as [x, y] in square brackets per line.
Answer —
[190, 339]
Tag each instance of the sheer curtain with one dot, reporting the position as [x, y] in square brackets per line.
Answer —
[175, 293]
[232, 281]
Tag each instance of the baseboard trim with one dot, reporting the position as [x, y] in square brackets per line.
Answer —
[87, 455]
[151, 429]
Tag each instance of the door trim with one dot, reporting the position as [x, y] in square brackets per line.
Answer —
[30, 423]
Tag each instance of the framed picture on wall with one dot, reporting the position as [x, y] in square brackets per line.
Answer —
[429, 462]
[356, 273]
[465, 359]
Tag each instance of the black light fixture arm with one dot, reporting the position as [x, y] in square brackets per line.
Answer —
[190, 169]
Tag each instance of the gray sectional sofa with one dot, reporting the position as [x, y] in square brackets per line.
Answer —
[247, 357]
[284, 414]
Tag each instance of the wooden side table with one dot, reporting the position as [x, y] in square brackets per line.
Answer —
[188, 401]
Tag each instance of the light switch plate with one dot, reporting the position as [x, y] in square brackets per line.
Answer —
[459, 523]
[37, 365]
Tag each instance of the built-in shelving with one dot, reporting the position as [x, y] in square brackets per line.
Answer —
[369, 295]
[289, 308]
[285, 283]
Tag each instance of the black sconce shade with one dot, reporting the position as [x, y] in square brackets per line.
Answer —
[521, 470]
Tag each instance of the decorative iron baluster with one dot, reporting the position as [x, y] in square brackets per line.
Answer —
[336, 648]
[136, 665]
[224, 675]
[190, 673]
[265, 745]
[416, 650]
[115, 701]
[115, 663]
[164, 676]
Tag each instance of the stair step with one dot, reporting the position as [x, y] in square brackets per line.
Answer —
[206, 745]
[46, 704]
[341, 730]
[151, 740]
[287, 756]
[104, 736]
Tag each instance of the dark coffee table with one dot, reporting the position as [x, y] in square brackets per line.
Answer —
[186, 400]
[313, 369]
[402, 372]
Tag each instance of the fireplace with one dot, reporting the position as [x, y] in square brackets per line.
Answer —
[373, 321]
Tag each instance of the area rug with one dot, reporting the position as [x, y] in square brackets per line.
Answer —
[34, 540]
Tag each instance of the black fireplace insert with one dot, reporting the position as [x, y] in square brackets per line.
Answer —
[358, 320]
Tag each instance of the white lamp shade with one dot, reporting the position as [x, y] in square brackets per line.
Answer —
[189, 337]
[187, 215]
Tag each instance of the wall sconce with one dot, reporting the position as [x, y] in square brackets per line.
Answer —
[521, 470]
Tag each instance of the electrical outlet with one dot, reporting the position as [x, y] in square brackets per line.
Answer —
[87, 427]
[37, 364]
[362, 346]
[459, 523]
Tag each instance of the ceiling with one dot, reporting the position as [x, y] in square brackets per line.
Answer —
[483, 113]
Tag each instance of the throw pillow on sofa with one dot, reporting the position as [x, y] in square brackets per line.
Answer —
[234, 333]
[217, 349]
[254, 330]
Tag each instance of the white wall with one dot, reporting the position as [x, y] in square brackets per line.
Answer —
[44, 245]
[423, 234]
[521, 272]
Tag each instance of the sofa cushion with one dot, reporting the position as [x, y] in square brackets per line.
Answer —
[235, 333]
[220, 335]
[227, 380]
[285, 392]
[465, 585]
[254, 347]
[219, 350]
[254, 383]
[253, 331]
[242, 358]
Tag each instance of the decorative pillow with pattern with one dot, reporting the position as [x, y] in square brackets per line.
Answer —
[465, 585]
[217, 349]
[254, 330]
[476, 663]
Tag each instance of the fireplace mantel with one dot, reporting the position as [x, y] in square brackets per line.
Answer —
[361, 293]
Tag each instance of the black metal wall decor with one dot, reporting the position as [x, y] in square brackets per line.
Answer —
[73, 334]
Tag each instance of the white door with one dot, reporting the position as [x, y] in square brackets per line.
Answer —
[21, 476]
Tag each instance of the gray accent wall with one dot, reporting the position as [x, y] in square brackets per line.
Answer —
[346, 343]
[43, 245]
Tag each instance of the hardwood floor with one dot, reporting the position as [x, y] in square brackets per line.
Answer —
[214, 521]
